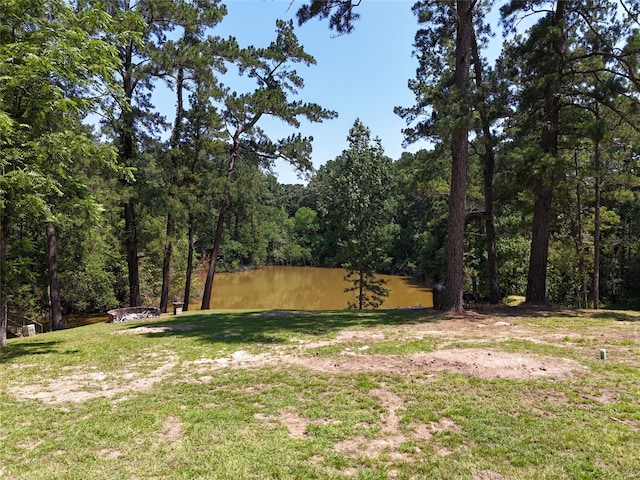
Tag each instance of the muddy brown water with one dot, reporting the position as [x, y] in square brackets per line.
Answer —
[291, 288]
[305, 288]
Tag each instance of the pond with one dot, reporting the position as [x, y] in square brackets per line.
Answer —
[304, 288]
[290, 288]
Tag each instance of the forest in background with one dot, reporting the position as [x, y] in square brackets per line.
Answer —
[90, 220]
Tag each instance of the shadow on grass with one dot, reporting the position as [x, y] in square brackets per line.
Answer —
[277, 326]
[618, 316]
[42, 347]
[274, 326]
[545, 311]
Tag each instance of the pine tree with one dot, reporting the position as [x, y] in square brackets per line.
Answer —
[359, 206]
[276, 81]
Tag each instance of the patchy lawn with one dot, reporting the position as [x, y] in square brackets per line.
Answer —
[496, 393]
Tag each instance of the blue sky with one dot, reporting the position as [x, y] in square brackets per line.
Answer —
[361, 75]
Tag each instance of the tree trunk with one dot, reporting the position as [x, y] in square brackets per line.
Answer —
[187, 282]
[166, 265]
[537, 280]
[174, 164]
[131, 247]
[126, 158]
[581, 286]
[459, 160]
[4, 310]
[596, 230]
[360, 289]
[495, 295]
[177, 124]
[537, 292]
[208, 286]
[489, 161]
[224, 209]
[189, 272]
[54, 288]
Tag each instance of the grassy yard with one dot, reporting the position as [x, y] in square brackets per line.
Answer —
[504, 393]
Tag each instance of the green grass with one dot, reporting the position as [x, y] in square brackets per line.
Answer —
[218, 395]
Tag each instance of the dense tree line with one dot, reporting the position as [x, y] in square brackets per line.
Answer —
[531, 186]
[578, 59]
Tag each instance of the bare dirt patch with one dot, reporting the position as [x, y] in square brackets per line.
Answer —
[296, 424]
[488, 475]
[488, 364]
[360, 336]
[30, 446]
[110, 454]
[444, 425]
[482, 363]
[389, 442]
[170, 433]
[157, 328]
[491, 364]
[392, 438]
[87, 383]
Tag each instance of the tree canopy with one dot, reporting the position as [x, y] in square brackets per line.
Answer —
[530, 187]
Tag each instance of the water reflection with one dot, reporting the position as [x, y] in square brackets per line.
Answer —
[304, 288]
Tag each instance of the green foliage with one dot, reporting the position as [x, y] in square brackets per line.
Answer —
[23, 273]
[358, 207]
[49, 65]
[305, 227]
[421, 195]
[54, 63]
[89, 288]
[276, 82]
[513, 250]
[58, 63]
[369, 290]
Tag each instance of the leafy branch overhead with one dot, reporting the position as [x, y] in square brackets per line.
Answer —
[341, 13]
[276, 81]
